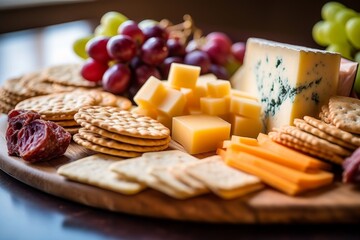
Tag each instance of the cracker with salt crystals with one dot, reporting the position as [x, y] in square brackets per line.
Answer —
[344, 113]
[94, 170]
[139, 169]
[223, 180]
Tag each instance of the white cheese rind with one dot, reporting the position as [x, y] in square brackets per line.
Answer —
[290, 81]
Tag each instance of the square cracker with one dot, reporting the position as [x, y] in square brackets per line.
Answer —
[140, 169]
[223, 180]
[94, 170]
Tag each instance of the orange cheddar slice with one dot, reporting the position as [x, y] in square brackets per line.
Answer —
[299, 163]
[266, 143]
[245, 140]
[283, 178]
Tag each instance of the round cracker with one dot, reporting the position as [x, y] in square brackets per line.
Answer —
[344, 113]
[123, 138]
[107, 142]
[57, 103]
[67, 74]
[123, 122]
[97, 148]
[18, 86]
[67, 123]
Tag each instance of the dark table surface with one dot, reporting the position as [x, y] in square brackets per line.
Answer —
[27, 213]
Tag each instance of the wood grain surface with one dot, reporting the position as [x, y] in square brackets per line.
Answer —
[336, 203]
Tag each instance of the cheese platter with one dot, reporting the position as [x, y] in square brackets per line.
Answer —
[335, 203]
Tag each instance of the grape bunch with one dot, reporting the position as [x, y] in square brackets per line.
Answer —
[339, 31]
[123, 54]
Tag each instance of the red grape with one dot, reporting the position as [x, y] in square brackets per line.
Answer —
[154, 51]
[93, 70]
[165, 66]
[219, 71]
[131, 29]
[221, 39]
[96, 49]
[238, 51]
[117, 79]
[198, 58]
[121, 48]
[176, 48]
[217, 52]
[143, 72]
[155, 31]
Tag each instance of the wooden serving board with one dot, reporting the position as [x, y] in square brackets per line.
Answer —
[336, 203]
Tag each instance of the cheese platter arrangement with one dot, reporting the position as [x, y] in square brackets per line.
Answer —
[160, 121]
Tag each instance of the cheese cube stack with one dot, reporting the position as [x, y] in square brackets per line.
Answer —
[188, 93]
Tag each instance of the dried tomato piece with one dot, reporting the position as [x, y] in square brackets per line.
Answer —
[16, 120]
[35, 139]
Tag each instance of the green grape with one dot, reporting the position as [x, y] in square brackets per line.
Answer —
[357, 57]
[79, 47]
[353, 31]
[343, 15]
[102, 31]
[334, 33]
[344, 49]
[146, 23]
[318, 34]
[329, 10]
[111, 22]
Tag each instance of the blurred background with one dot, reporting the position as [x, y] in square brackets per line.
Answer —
[38, 33]
[281, 20]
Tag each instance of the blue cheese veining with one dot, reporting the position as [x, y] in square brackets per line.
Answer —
[290, 81]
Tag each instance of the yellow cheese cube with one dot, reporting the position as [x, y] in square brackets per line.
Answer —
[191, 100]
[183, 76]
[151, 93]
[245, 107]
[173, 103]
[150, 112]
[200, 133]
[214, 106]
[218, 88]
[243, 94]
[245, 127]
[194, 111]
[206, 78]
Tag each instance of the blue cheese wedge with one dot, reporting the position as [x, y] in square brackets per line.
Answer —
[290, 81]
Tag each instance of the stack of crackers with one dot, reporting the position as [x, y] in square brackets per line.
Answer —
[333, 138]
[14, 91]
[174, 173]
[56, 79]
[118, 132]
